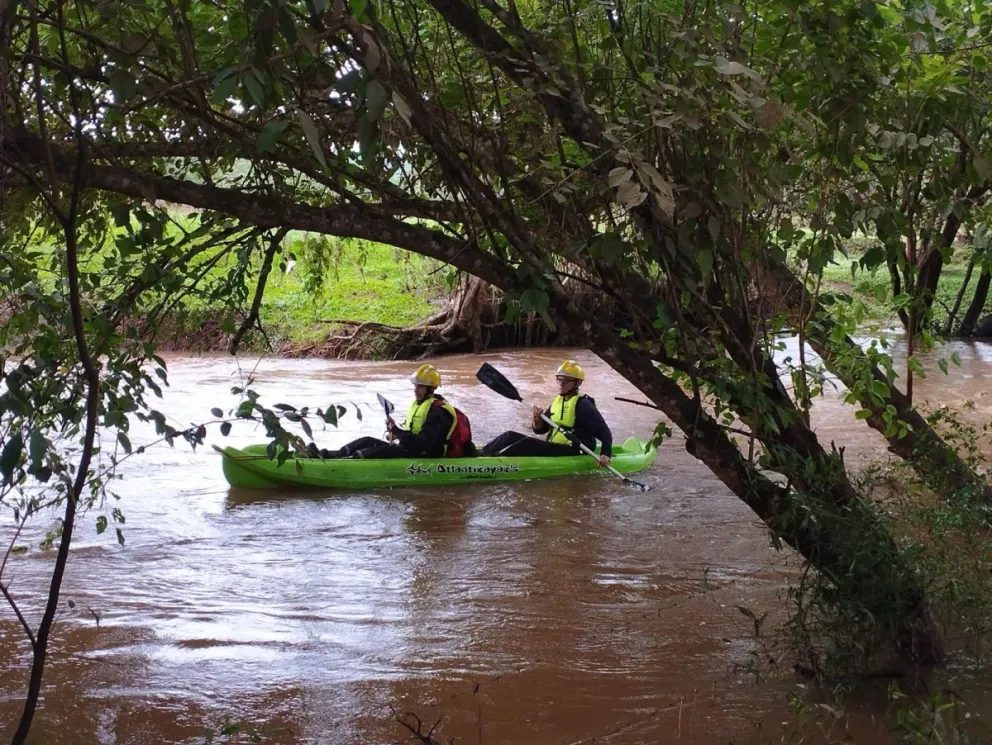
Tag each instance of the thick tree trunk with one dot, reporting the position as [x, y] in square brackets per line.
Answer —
[974, 311]
[934, 460]
[817, 524]
[465, 311]
[824, 542]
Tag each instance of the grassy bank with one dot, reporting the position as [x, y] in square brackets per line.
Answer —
[316, 284]
[873, 288]
[348, 280]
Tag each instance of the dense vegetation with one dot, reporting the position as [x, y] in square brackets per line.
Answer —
[698, 164]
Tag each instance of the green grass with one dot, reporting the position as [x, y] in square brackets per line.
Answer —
[874, 288]
[364, 282]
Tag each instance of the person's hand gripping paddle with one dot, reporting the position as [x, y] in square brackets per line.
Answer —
[492, 378]
[388, 408]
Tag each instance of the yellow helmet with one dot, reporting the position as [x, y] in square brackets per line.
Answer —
[570, 369]
[427, 375]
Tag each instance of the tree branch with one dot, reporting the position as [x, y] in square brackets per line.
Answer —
[256, 303]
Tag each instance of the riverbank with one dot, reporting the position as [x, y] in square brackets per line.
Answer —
[318, 285]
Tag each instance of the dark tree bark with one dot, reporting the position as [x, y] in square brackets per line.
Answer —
[974, 311]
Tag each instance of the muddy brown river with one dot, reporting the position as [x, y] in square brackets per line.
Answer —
[557, 612]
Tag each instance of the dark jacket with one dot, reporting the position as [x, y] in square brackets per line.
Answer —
[589, 426]
[433, 436]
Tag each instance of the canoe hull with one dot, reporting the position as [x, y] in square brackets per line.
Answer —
[250, 468]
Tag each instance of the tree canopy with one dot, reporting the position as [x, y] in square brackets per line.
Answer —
[698, 163]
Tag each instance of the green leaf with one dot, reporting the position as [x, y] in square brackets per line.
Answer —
[375, 100]
[890, 14]
[956, 359]
[245, 409]
[254, 87]
[942, 364]
[120, 536]
[36, 449]
[217, 413]
[618, 175]
[10, 456]
[101, 524]
[862, 414]
[983, 167]
[122, 83]
[726, 67]
[286, 26]
[225, 429]
[224, 86]
[125, 442]
[331, 415]
[269, 136]
[122, 214]
[357, 7]
[608, 248]
[368, 132]
[306, 428]
[880, 388]
[704, 257]
[534, 300]
[313, 139]
[402, 107]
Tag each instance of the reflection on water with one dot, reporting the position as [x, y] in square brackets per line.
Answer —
[546, 612]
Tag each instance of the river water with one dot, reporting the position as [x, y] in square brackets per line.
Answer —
[565, 611]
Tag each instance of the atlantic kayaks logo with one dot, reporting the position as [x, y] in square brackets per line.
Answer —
[482, 470]
[415, 469]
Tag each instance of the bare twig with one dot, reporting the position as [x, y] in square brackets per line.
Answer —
[263, 276]
[20, 616]
[69, 222]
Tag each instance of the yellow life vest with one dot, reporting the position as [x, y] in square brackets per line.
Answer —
[416, 415]
[563, 414]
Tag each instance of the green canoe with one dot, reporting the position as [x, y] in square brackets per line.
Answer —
[251, 468]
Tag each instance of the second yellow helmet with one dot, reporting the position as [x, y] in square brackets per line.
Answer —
[427, 375]
[570, 369]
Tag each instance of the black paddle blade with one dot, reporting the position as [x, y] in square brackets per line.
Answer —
[387, 405]
[490, 377]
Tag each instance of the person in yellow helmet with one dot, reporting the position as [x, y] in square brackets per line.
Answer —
[575, 414]
[433, 428]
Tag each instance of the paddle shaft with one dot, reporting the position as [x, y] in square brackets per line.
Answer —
[589, 451]
[585, 448]
[493, 379]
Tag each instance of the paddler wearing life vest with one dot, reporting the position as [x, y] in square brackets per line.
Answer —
[433, 428]
[576, 415]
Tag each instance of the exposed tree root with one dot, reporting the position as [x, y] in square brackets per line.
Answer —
[473, 320]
